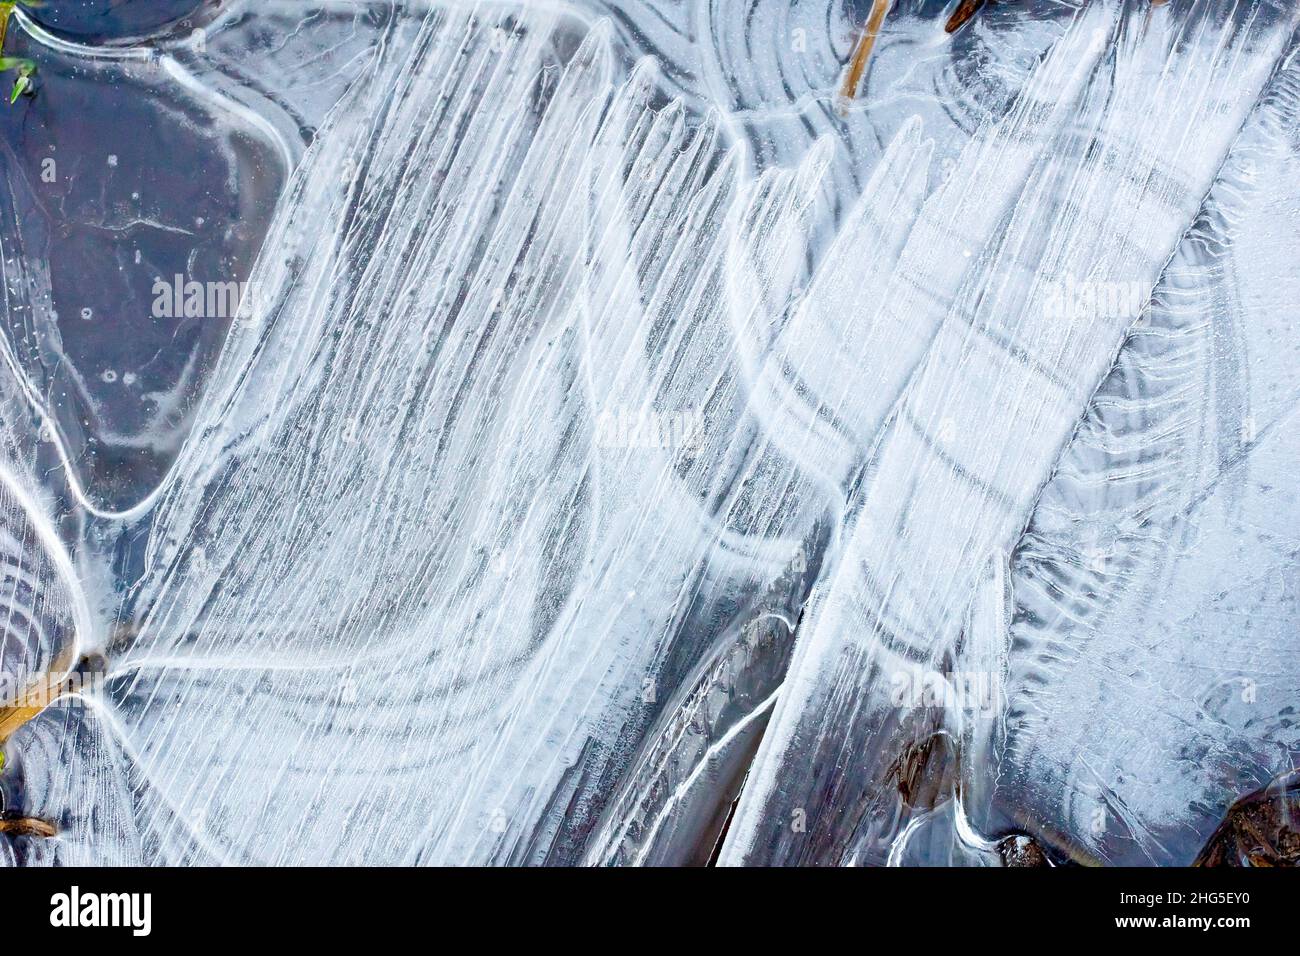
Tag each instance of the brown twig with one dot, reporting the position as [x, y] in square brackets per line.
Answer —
[965, 10]
[27, 826]
[862, 51]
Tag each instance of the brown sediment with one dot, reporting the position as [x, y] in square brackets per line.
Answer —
[1261, 829]
[1020, 851]
[1052, 838]
[27, 826]
[862, 52]
[923, 771]
[965, 10]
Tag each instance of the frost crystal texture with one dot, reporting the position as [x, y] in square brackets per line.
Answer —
[615, 432]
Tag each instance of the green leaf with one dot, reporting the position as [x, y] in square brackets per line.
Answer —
[21, 86]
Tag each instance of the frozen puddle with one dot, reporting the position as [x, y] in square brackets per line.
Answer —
[581, 434]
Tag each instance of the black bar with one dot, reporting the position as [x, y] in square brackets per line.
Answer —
[554, 907]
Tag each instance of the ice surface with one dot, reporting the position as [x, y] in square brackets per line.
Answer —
[1155, 586]
[627, 451]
